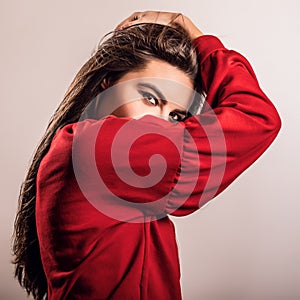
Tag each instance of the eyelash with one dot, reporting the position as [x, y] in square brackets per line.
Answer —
[180, 116]
[147, 96]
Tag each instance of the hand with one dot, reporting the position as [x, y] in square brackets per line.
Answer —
[160, 17]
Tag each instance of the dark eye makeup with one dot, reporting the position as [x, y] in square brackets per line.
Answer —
[178, 116]
[149, 98]
[174, 116]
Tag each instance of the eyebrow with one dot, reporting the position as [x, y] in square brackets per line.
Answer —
[160, 95]
[154, 88]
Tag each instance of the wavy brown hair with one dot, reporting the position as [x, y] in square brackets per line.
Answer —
[124, 51]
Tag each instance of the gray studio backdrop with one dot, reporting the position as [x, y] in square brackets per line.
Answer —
[243, 245]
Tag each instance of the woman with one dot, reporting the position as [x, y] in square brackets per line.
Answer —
[93, 221]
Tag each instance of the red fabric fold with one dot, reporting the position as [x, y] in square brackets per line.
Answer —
[129, 251]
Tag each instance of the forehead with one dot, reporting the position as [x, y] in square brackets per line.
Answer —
[174, 85]
[160, 69]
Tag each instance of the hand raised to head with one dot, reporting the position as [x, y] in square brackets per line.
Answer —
[163, 18]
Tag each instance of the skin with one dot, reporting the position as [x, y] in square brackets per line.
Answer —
[137, 98]
[135, 101]
[164, 18]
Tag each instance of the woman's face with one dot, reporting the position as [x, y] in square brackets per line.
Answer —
[159, 89]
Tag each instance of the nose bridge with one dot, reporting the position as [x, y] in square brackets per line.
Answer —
[165, 110]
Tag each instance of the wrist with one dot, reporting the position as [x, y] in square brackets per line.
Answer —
[192, 29]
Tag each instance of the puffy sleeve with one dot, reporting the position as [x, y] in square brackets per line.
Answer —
[131, 168]
[237, 125]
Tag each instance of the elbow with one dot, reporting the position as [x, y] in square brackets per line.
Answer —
[268, 124]
[275, 122]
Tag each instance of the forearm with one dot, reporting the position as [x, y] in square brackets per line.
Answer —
[237, 125]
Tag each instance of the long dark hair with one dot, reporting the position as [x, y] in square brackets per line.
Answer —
[124, 51]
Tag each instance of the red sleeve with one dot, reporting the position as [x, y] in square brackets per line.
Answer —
[237, 125]
[116, 162]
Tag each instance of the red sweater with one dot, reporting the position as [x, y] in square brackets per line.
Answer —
[103, 237]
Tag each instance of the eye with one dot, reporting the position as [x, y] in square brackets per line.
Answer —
[149, 98]
[177, 116]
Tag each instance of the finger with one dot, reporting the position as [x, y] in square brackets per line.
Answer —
[133, 17]
[142, 17]
[121, 24]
